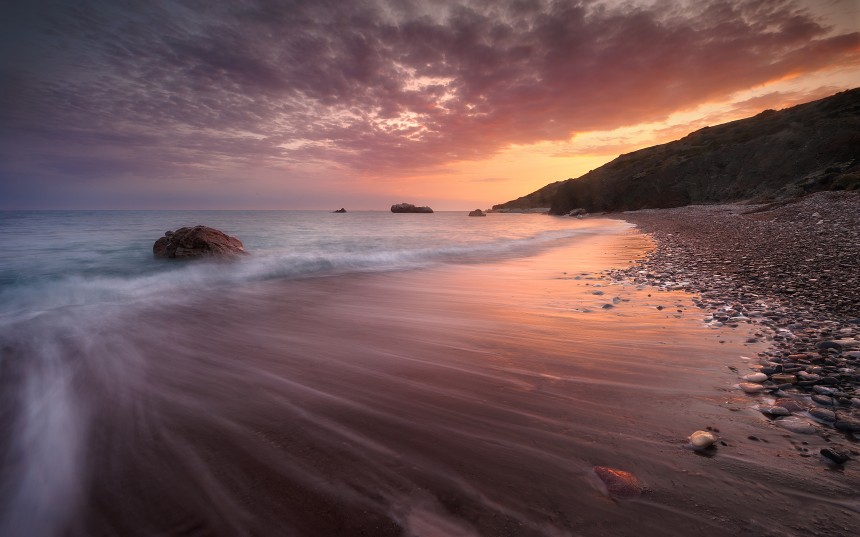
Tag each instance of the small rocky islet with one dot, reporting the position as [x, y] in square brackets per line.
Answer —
[409, 208]
[791, 270]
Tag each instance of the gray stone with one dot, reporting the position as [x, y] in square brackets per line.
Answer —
[823, 400]
[796, 425]
[822, 414]
[775, 411]
[847, 424]
[835, 456]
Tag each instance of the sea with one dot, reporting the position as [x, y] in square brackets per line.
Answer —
[365, 373]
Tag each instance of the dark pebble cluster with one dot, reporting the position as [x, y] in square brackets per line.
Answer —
[792, 270]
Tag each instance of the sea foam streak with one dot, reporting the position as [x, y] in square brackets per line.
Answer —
[126, 382]
[176, 281]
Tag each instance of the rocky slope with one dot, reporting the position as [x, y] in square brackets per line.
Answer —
[774, 155]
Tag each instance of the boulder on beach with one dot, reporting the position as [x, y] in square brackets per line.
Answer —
[341, 210]
[409, 208]
[197, 241]
[617, 483]
[477, 212]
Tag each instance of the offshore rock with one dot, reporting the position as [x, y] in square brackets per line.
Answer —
[477, 212]
[341, 210]
[409, 208]
[195, 242]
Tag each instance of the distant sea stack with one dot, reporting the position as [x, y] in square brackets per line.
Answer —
[196, 242]
[409, 208]
[341, 210]
[477, 212]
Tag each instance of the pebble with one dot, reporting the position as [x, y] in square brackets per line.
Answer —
[775, 411]
[783, 378]
[702, 439]
[847, 424]
[822, 414]
[750, 387]
[617, 483]
[790, 404]
[823, 400]
[755, 377]
[796, 425]
[835, 456]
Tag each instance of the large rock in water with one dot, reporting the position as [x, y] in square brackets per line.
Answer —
[197, 241]
[409, 208]
[477, 212]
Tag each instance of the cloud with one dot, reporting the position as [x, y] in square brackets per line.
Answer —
[375, 87]
[615, 143]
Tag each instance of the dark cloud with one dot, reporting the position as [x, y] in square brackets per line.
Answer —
[167, 89]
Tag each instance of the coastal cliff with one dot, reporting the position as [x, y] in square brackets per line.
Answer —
[773, 155]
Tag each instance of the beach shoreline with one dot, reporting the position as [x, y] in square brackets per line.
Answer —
[469, 399]
[791, 270]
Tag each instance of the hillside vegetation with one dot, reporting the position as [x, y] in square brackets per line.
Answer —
[773, 155]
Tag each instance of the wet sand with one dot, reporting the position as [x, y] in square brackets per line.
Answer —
[453, 401]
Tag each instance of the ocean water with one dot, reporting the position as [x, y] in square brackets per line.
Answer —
[56, 259]
[78, 291]
[373, 374]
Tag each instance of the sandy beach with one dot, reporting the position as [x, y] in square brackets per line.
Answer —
[449, 401]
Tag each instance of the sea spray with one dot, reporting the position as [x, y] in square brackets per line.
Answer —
[45, 439]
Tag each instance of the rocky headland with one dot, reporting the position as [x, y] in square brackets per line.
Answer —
[792, 271]
[771, 156]
[196, 242]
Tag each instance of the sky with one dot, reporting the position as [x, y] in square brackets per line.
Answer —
[264, 104]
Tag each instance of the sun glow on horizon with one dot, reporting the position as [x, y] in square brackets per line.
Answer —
[463, 104]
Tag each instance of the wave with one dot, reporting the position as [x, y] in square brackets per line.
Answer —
[24, 301]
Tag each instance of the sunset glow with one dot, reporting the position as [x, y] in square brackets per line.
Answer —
[318, 105]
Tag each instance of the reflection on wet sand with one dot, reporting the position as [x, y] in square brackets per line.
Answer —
[454, 401]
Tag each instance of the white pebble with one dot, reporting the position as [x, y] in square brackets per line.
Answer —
[749, 387]
[755, 377]
[702, 439]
